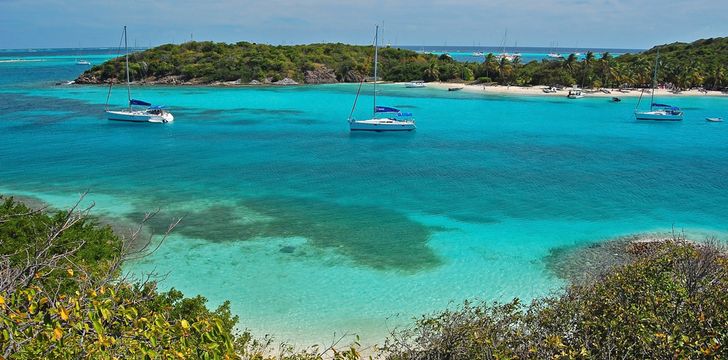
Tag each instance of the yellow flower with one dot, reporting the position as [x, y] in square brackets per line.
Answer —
[63, 313]
[57, 334]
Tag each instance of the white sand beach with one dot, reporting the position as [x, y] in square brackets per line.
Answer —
[538, 91]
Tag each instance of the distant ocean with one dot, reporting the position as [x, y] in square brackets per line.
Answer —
[528, 54]
[309, 230]
[460, 53]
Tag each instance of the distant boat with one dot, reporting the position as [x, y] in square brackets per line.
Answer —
[83, 62]
[455, 88]
[415, 84]
[549, 90]
[478, 53]
[554, 54]
[507, 56]
[152, 113]
[503, 54]
[575, 94]
[714, 119]
[395, 121]
[616, 99]
[657, 112]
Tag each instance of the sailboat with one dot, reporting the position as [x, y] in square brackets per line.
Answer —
[554, 54]
[137, 110]
[658, 112]
[80, 61]
[393, 119]
[503, 54]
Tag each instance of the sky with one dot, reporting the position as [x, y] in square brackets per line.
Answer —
[631, 24]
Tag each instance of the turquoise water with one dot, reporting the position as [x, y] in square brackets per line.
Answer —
[310, 230]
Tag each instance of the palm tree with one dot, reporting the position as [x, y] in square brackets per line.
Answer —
[570, 64]
[642, 71]
[606, 67]
[504, 69]
[587, 65]
[432, 72]
[718, 75]
[491, 65]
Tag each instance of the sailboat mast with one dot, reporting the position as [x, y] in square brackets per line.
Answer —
[654, 80]
[503, 45]
[126, 55]
[376, 60]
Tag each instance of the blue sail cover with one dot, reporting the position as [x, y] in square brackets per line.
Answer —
[385, 109]
[139, 102]
[404, 114]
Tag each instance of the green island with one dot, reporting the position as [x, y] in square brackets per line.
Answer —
[63, 296]
[703, 63]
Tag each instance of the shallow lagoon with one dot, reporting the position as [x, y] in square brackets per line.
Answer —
[310, 230]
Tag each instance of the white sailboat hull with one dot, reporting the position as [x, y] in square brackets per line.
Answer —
[139, 116]
[380, 125]
[415, 85]
[658, 115]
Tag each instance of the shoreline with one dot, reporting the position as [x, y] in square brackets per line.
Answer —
[536, 90]
[574, 264]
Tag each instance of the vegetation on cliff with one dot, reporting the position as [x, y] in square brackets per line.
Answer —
[703, 63]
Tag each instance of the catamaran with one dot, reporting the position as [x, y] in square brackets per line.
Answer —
[503, 54]
[138, 110]
[657, 112]
[392, 120]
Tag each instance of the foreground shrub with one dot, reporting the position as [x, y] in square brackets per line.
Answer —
[671, 303]
[61, 297]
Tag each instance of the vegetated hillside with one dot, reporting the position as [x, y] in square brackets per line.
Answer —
[703, 63]
[700, 63]
[206, 62]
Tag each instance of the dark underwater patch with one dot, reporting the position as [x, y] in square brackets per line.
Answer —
[580, 263]
[369, 236]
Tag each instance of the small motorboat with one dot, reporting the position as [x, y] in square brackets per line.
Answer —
[455, 88]
[575, 94]
[616, 99]
[415, 84]
[714, 119]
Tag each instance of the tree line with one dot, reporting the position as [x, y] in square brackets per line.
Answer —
[703, 63]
